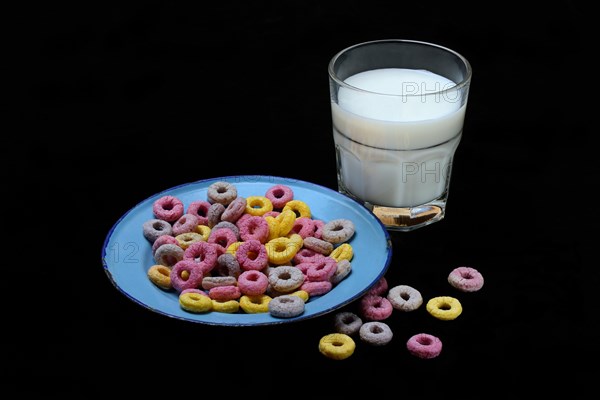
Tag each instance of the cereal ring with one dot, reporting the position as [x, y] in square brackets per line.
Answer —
[338, 230]
[222, 237]
[229, 306]
[228, 265]
[322, 269]
[258, 205]
[375, 308]
[286, 306]
[255, 304]
[303, 294]
[285, 221]
[194, 275]
[375, 333]
[253, 283]
[405, 298]
[343, 252]
[255, 228]
[279, 195]
[316, 288]
[337, 346]
[347, 322]
[285, 278]
[199, 208]
[186, 223]
[445, 308]
[154, 228]
[318, 228]
[319, 245]
[304, 227]
[204, 230]
[202, 253]
[214, 214]
[195, 302]
[342, 271]
[234, 210]
[209, 282]
[221, 192]
[229, 225]
[380, 287]
[424, 345]
[273, 227]
[224, 293]
[232, 249]
[168, 254]
[168, 208]
[300, 208]
[160, 276]
[194, 290]
[184, 240]
[163, 239]
[280, 250]
[466, 279]
[252, 255]
[306, 255]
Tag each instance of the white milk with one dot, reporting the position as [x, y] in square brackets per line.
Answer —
[395, 149]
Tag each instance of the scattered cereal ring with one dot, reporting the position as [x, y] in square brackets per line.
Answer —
[258, 205]
[273, 227]
[303, 294]
[286, 306]
[221, 192]
[318, 228]
[255, 228]
[405, 298]
[343, 252]
[184, 240]
[285, 278]
[280, 250]
[344, 267]
[347, 322]
[285, 221]
[253, 282]
[466, 279]
[204, 230]
[375, 333]
[154, 228]
[234, 210]
[252, 255]
[214, 214]
[186, 223]
[338, 230]
[228, 265]
[195, 302]
[199, 208]
[319, 245]
[163, 239]
[209, 282]
[316, 288]
[194, 275]
[203, 253]
[224, 293]
[168, 254]
[380, 287]
[279, 195]
[445, 308]
[160, 276]
[306, 255]
[304, 227]
[168, 208]
[321, 269]
[222, 237]
[375, 308]
[300, 208]
[232, 249]
[229, 225]
[255, 304]
[424, 345]
[229, 306]
[337, 346]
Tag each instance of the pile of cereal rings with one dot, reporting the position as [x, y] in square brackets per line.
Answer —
[258, 254]
[377, 305]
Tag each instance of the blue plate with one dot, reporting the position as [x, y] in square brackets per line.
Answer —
[127, 255]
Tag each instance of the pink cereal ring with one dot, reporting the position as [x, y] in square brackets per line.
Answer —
[424, 345]
[306, 255]
[168, 208]
[163, 239]
[316, 288]
[304, 227]
[318, 228]
[200, 209]
[380, 288]
[203, 253]
[194, 279]
[279, 195]
[466, 279]
[254, 228]
[253, 283]
[322, 269]
[375, 307]
[234, 210]
[225, 293]
[185, 224]
[252, 255]
[222, 237]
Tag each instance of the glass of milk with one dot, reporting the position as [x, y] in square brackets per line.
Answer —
[398, 108]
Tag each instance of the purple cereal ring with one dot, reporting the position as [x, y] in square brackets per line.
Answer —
[200, 209]
[254, 228]
[214, 214]
[252, 255]
[234, 210]
[194, 279]
[253, 283]
[375, 308]
[185, 224]
[221, 192]
[225, 293]
[203, 253]
[168, 208]
[222, 237]
[322, 269]
[347, 322]
[153, 228]
[163, 239]
[380, 288]
[209, 282]
[319, 245]
[228, 265]
[306, 255]
[466, 279]
[424, 345]
[279, 195]
[168, 254]
[228, 225]
[304, 227]
[316, 288]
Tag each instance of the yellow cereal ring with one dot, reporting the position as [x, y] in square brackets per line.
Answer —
[185, 239]
[286, 219]
[444, 307]
[195, 302]
[233, 247]
[255, 304]
[258, 205]
[273, 227]
[204, 230]
[343, 252]
[281, 250]
[303, 294]
[337, 346]
[229, 306]
[296, 239]
[300, 208]
[160, 275]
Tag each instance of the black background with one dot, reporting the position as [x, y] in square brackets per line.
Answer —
[131, 100]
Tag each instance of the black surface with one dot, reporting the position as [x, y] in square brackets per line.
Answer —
[132, 100]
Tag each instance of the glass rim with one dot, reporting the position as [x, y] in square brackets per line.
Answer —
[458, 86]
